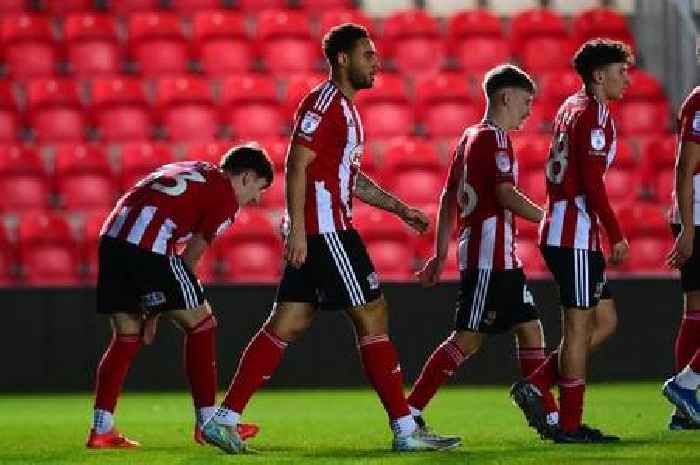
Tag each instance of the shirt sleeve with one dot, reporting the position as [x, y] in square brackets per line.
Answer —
[690, 120]
[314, 128]
[594, 143]
[498, 153]
[454, 176]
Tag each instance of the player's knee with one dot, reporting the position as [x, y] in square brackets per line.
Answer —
[206, 323]
[371, 318]
[469, 343]
[530, 334]
[289, 323]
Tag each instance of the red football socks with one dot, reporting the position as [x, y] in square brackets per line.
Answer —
[382, 368]
[259, 361]
[442, 364]
[688, 338]
[200, 362]
[571, 391]
[113, 368]
[533, 359]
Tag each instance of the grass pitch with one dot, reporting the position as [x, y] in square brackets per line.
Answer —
[344, 427]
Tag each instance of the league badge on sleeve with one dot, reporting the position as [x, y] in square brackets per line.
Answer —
[597, 139]
[503, 162]
[310, 122]
[696, 123]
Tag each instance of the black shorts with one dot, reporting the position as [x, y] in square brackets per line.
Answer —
[580, 275]
[690, 271]
[493, 301]
[135, 280]
[338, 273]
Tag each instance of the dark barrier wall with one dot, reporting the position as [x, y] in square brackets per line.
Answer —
[52, 339]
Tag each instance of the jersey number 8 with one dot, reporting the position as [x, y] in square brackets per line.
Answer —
[558, 159]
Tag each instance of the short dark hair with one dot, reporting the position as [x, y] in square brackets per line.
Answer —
[600, 52]
[507, 75]
[342, 38]
[248, 157]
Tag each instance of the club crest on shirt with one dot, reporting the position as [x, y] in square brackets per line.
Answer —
[373, 280]
[597, 139]
[310, 122]
[153, 299]
[503, 162]
[696, 123]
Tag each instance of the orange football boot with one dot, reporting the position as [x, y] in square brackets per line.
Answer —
[112, 439]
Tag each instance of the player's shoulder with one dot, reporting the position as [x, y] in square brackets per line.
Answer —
[321, 98]
[590, 112]
[489, 135]
[692, 102]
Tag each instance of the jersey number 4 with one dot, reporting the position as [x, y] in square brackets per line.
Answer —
[558, 159]
[180, 179]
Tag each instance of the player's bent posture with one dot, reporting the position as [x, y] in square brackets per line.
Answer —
[582, 149]
[481, 187]
[327, 264]
[685, 218]
[141, 275]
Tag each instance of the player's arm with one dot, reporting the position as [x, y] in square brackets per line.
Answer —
[369, 192]
[429, 275]
[194, 250]
[687, 161]
[298, 160]
[510, 197]
[593, 169]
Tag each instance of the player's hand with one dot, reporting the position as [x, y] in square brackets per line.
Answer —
[149, 328]
[295, 247]
[682, 249]
[416, 219]
[430, 274]
[619, 252]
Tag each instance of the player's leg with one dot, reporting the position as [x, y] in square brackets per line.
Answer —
[605, 319]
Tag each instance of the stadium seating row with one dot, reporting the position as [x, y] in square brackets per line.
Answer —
[46, 250]
[285, 41]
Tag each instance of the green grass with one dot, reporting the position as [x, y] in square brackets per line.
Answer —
[343, 427]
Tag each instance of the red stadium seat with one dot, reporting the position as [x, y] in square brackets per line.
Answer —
[530, 255]
[648, 255]
[157, 44]
[333, 17]
[601, 22]
[644, 86]
[644, 118]
[625, 158]
[55, 110]
[533, 184]
[126, 7]
[418, 187]
[186, 108]
[535, 23]
[557, 86]
[89, 238]
[83, 178]
[47, 250]
[276, 148]
[251, 106]
[414, 42]
[473, 23]
[207, 269]
[251, 262]
[274, 197]
[61, 7]
[527, 231]
[540, 119]
[188, 7]
[545, 54]
[27, 45]
[284, 42]
[12, 6]
[660, 153]
[255, 6]
[76, 159]
[92, 44]
[24, 186]
[221, 43]
[297, 87]
[644, 219]
[479, 54]
[444, 105]
[386, 108]
[120, 109]
[10, 122]
[210, 151]
[618, 184]
[314, 6]
[405, 154]
[140, 158]
[375, 224]
[392, 260]
[664, 184]
[532, 152]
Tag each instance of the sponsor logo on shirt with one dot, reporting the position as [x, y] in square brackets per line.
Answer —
[310, 122]
[503, 162]
[597, 139]
[373, 280]
[153, 299]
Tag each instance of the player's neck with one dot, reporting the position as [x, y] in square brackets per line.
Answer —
[498, 118]
[344, 85]
[598, 92]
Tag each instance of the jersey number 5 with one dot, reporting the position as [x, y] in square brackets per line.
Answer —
[180, 179]
[558, 159]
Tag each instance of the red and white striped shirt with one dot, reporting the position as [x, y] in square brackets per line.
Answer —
[487, 234]
[689, 131]
[171, 204]
[582, 149]
[329, 124]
